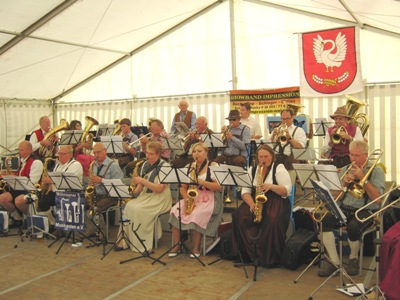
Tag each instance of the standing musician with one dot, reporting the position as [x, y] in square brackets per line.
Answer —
[102, 168]
[184, 115]
[37, 137]
[30, 167]
[374, 187]
[128, 137]
[269, 221]
[250, 121]
[65, 164]
[288, 136]
[158, 134]
[79, 154]
[336, 144]
[236, 136]
[191, 139]
[154, 198]
[208, 191]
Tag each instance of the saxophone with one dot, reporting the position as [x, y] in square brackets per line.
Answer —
[260, 197]
[89, 191]
[191, 192]
[135, 173]
[43, 187]
[3, 184]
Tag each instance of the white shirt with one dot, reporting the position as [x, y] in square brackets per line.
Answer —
[36, 170]
[255, 128]
[71, 167]
[34, 141]
[282, 178]
[299, 136]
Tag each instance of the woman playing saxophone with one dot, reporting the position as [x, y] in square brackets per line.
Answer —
[204, 191]
[273, 181]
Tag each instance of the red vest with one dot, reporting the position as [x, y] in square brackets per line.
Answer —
[27, 167]
[40, 137]
[342, 149]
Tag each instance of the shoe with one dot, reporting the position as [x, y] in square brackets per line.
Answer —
[118, 248]
[327, 270]
[352, 267]
[194, 255]
[173, 254]
[15, 224]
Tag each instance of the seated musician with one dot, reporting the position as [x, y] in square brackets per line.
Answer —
[336, 144]
[128, 137]
[236, 136]
[65, 164]
[103, 167]
[31, 167]
[192, 138]
[154, 198]
[270, 180]
[158, 134]
[37, 139]
[374, 187]
[293, 137]
[79, 154]
[207, 193]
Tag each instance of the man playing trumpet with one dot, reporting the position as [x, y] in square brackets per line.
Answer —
[360, 170]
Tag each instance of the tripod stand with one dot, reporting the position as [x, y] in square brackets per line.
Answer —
[170, 175]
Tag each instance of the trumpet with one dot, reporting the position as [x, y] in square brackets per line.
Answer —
[228, 129]
[336, 138]
[384, 206]
[281, 135]
[188, 135]
[148, 135]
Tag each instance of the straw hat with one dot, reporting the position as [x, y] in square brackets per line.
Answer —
[340, 112]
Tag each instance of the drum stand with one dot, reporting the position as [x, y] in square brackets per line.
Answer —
[33, 230]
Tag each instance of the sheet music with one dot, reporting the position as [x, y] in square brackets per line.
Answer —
[66, 181]
[168, 174]
[304, 154]
[329, 175]
[116, 188]
[181, 127]
[305, 172]
[232, 175]
[71, 137]
[19, 183]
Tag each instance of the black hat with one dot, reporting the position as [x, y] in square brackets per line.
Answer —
[233, 114]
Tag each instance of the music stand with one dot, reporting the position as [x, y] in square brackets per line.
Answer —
[304, 173]
[179, 176]
[117, 189]
[182, 128]
[321, 126]
[71, 137]
[174, 144]
[330, 204]
[67, 182]
[22, 183]
[113, 144]
[234, 176]
[252, 148]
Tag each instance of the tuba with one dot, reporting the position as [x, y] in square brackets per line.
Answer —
[260, 197]
[86, 136]
[117, 130]
[336, 138]
[50, 136]
[191, 192]
[356, 189]
[361, 119]
[89, 191]
[293, 106]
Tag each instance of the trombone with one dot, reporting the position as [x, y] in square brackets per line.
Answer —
[188, 134]
[375, 201]
[148, 135]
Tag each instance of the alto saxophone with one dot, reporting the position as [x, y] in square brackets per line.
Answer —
[260, 197]
[89, 191]
[192, 192]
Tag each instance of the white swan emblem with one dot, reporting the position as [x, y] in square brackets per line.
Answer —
[328, 58]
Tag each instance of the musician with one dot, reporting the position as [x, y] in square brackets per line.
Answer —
[103, 168]
[30, 167]
[237, 136]
[128, 137]
[154, 198]
[340, 152]
[78, 151]
[192, 138]
[158, 135]
[65, 164]
[208, 192]
[374, 187]
[295, 138]
[37, 137]
[274, 183]
[251, 122]
[184, 115]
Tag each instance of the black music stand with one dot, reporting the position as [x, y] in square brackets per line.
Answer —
[113, 145]
[174, 144]
[71, 137]
[321, 126]
[228, 175]
[252, 148]
[304, 173]
[68, 182]
[171, 175]
[330, 204]
[117, 189]
[22, 183]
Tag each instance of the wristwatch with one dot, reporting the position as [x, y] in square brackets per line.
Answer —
[366, 181]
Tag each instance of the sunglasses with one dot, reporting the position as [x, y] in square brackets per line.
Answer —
[232, 119]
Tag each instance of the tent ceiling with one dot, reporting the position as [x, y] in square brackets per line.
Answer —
[49, 46]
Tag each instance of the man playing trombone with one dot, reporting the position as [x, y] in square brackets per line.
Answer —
[362, 182]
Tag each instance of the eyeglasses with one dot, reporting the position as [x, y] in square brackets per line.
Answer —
[285, 119]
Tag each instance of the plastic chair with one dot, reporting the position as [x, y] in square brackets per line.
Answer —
[157, 223]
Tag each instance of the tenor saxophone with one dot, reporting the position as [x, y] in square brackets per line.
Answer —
[260, 197]
[192, 192]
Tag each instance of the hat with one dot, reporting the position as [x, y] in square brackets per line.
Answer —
[233, 114]
[340, 112]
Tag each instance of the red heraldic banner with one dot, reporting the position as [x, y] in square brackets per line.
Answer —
[330, 62]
